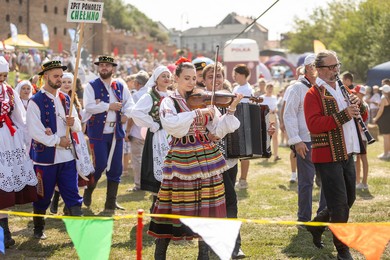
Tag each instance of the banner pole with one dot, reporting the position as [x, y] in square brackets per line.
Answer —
[76, 72]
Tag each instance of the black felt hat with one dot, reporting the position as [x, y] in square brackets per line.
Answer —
[106, 59]
[200, 65]
[54, 64]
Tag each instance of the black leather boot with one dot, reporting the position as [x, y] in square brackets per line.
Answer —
[342, 250]
[66, 211]
[112, 190]
[54, 202]
[341, 216]
[75, 211]
[316, 231]
[39, 224]
[160, 253]
[8, 240]
[87, 197]
[203, 250]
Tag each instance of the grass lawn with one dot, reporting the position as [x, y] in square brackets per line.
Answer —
[270, 196]
[12, 75]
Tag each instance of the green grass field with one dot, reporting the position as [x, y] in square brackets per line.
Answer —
[270, 196]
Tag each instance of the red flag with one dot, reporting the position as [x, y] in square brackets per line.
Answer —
[59, 47]
[150, 48]
[135, 53]
[189, 56]
[370, 239]
[116, 51]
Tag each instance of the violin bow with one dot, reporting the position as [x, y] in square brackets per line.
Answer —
[215, 74]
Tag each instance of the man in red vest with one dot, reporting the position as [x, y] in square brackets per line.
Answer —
[335, 138]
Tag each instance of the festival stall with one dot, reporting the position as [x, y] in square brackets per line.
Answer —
[24, 42]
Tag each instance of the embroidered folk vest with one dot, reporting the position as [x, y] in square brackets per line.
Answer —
[95, 124]
[39, 152]
[155, 111]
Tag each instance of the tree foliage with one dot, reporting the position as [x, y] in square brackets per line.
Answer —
[129, 18]
[359, 31]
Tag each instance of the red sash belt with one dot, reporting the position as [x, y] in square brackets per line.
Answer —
[8, 122]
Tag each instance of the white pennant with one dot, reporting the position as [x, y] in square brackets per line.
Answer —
[219, 234]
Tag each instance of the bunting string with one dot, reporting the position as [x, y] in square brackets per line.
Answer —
[218, 233]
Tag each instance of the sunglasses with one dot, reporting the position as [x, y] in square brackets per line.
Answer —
[331, 67]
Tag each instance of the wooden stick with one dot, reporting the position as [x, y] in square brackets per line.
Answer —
[76, 72]
[215, 74]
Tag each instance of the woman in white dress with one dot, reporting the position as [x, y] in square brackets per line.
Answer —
[192, 183]
[146, 114]
[24, 89]
[17, 177]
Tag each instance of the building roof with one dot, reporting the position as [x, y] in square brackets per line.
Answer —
[233, 18]
[227, 29]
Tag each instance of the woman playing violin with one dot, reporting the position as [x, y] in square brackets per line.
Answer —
[192, 183]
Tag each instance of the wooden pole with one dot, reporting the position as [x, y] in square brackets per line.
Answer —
[76, 72]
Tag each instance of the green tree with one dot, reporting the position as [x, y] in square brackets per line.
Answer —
[359, 31]
[129, 18]
[320, 25]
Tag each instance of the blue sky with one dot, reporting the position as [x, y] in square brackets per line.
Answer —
[176, 13]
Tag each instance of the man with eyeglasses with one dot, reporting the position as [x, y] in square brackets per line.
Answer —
[335, 138]
[51, 150]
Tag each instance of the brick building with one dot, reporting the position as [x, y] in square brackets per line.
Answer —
[28, 15]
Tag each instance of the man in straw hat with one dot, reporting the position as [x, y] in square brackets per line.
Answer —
[109, 104]
[51, 150]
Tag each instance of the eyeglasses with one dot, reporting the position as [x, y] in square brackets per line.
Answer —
[331, 67]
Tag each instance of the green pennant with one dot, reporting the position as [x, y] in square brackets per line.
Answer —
[91, 238]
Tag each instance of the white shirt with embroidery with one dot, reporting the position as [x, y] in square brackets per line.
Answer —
[94, 105]
[350, 133]
[37, 130]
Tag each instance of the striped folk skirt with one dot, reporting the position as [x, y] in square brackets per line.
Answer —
[192, 185]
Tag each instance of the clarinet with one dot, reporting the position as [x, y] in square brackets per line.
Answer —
[359, 119]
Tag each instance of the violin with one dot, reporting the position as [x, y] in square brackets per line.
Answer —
[202, 99]
[221, 99]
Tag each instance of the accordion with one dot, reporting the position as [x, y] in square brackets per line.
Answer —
[251, 139]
